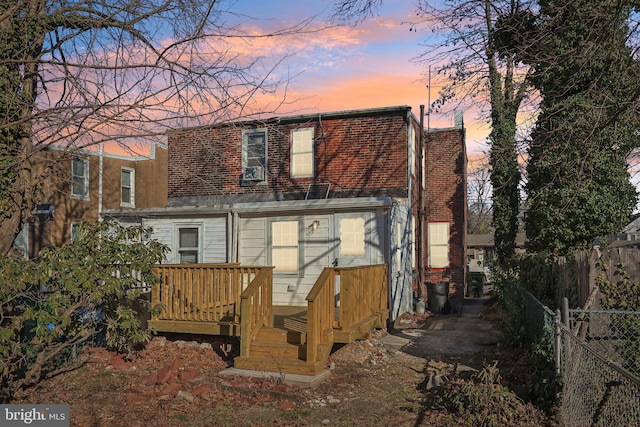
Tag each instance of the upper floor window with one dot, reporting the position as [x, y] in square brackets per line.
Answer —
[254, 155]
[438, 244]
[302, 153]
[127, 187]
[80, 177]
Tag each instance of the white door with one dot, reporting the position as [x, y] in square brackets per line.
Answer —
[351, 237]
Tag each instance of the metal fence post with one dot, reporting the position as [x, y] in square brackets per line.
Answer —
[558, 339]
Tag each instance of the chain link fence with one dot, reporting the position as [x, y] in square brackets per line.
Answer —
[597, 359]
[595, 390]
[614, 334]
[539, 319]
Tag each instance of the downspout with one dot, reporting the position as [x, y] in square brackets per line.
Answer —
[420, 210]
[233, 249]
[100, 171]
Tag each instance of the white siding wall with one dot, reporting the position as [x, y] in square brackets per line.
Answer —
[400, 270]
[214, 243]
[319, 249]
[162, 232]
[213, 237]
[253, 242]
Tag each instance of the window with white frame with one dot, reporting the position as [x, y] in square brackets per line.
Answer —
[254, 155]
[188, 245]
[75, 231]
[127, 187]
[438, 244]
[80, 178]
[284, 246]
[302, 153]
[352, 237]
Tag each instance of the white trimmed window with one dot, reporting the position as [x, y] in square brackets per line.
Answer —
[284, 246]
[75, 231]
[80, 178]
[254, 155]
[352, 237]
[127, 187]
[302, 153]
[439, 244]
[188, 245]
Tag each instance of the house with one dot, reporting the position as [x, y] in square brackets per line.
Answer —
[305, 192]
[82, 183]
[481, 251]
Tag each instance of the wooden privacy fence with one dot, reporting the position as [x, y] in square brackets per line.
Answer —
[256, 308]
[200, 292]
[577, 277]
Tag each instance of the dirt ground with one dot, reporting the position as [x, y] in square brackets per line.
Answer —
[175, 383]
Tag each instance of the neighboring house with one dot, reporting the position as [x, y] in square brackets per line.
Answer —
[481, 250]
[631, 231]
[306, 192]
[445, 206]
[83, 183]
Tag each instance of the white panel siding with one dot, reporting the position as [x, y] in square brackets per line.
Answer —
[400, 271]
[213, 239]
[163, 233]
[253, 241]
[214, 244]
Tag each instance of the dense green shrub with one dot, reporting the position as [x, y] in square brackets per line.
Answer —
[71, 294]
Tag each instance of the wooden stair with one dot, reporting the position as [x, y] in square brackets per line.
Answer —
[281, 350]
[362, 329]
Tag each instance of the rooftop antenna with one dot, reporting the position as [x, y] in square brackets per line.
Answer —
[429, 100]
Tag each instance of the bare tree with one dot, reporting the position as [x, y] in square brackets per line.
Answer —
[354, 11]
[79, 73]
[479, 197]
[479, 49]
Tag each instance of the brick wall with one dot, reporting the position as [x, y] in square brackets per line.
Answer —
[445, 200]
[362, 155]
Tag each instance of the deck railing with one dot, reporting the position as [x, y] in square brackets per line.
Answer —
[363, 292]
[320, 314]
[256, 308]
[201, 292]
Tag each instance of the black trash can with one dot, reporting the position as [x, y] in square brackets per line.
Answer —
[438, 297]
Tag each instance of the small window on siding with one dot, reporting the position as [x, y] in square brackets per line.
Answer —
[75, 231]
[127, 187]
[80, 178]
[188, 245]
[284, 246]
[302, 153]
[352, 237]
[438, 244]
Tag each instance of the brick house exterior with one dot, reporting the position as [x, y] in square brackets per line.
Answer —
[74, 193]
[358, 154]
[338, 188]
[445, 201]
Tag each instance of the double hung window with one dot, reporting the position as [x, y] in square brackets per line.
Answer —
[80, 178]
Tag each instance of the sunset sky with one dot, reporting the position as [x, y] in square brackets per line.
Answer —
[344, 68]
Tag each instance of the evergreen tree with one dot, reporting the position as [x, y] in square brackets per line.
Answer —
[578, 181]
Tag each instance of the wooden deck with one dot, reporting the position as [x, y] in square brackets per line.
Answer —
[227, 299]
